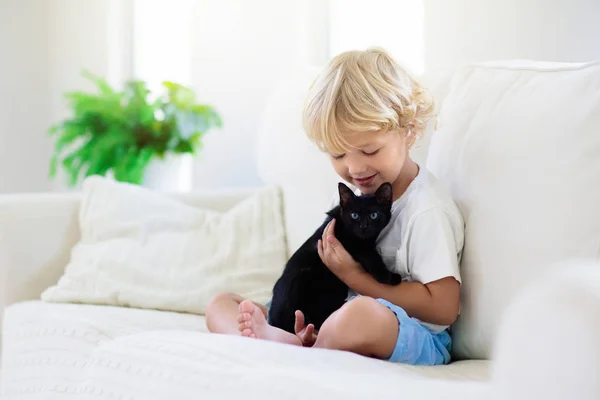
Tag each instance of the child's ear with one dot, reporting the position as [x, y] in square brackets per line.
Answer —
[346, 195]
[384, 194]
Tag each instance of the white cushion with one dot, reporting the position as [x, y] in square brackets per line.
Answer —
[143, 249]
[560, 313]
[48, 348]
[437, 83]
[518, 148]
[61, 350]
[229, 367]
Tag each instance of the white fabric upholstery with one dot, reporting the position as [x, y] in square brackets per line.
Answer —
[518, 147]
[38, 231]
[548, 342]
[36, 235]
[140, 248]
[110, 352]
[543, 346]
[50, 346]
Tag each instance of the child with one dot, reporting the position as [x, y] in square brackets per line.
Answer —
[366, 112]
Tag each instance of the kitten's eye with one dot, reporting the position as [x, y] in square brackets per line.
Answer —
[354, 216]
[374, 215]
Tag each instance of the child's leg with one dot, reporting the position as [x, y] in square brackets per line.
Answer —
[363, 326]
[222, 313]
[231, 314]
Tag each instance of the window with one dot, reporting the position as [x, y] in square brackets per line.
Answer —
[162, 41]
[395, 25]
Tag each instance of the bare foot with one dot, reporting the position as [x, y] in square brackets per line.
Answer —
[252, 323]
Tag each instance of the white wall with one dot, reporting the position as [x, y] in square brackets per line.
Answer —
[79, 39]
[24, 95]
[232, 53]
[240, 51]
[44, 45]
[464, 31]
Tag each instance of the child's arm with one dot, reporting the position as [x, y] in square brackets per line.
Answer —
[435, 302]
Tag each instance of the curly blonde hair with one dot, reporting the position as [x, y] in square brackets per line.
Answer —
[364, 90]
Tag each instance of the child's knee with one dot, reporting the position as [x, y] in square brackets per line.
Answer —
[225, 297]
[361, 305]
[363, 315]
[352, 327]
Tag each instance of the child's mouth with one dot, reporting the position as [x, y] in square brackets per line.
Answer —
[364, 181]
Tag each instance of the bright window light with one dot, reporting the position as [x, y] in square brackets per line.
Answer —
[395, 25]
[162, 41]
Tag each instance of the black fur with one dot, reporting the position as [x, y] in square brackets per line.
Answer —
[308, 285]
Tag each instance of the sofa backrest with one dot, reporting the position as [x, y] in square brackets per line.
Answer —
[286, 158]
[518, 147]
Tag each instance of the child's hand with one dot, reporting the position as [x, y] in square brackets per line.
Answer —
[335, 256]
[306, 333]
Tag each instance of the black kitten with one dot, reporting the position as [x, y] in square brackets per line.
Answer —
[308, 285]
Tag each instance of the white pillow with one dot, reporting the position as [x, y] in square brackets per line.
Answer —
[142, 249]
[518, 147]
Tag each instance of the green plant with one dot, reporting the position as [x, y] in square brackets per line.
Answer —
[122, 131]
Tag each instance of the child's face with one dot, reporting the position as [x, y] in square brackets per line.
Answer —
[375, 158]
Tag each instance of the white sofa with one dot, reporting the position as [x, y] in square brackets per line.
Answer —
[518, 146]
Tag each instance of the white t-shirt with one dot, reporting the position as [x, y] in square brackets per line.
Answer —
[424, 239]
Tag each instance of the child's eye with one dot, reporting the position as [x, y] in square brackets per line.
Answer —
[354, 216]
[374, 215]
[371, 153]
[337, 156]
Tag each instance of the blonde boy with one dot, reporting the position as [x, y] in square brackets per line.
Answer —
[366, 112]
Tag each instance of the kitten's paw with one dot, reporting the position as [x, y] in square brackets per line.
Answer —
[395, 279]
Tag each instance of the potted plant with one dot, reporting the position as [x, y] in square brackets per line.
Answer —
[124, 134]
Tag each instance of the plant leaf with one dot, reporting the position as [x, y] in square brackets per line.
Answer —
[179, 95]
[123, 130]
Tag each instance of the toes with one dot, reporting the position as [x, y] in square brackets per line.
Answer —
[245, 324]
[247, 306]
[243, 317]
[248, 332]
[249, 321]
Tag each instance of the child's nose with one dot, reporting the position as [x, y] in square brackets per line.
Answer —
[356, 168]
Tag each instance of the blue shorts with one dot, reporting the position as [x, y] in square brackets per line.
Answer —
[416, 343]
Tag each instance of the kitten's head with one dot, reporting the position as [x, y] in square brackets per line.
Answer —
[366, 215]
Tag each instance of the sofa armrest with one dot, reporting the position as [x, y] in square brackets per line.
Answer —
[547, 346]
[37, 232]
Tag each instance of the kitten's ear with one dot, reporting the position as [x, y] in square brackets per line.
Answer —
[384, 194]
[346, 195]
